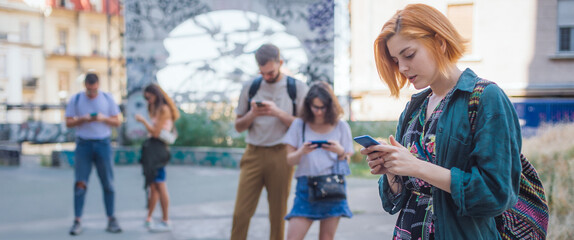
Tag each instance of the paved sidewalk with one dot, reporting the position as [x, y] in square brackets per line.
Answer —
[37, 203]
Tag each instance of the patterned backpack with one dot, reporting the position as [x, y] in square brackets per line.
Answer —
[528, 219]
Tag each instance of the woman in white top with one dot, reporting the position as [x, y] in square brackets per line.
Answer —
[155, 153]
[320, 119]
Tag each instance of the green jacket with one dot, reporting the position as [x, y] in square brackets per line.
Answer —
[484, 168]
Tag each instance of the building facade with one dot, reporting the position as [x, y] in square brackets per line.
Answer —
[49, 46]
[21, 55]
[525, 46]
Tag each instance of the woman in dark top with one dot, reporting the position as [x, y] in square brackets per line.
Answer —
[446, 181]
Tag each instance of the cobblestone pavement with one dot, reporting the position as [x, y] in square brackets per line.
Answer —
[37, 203]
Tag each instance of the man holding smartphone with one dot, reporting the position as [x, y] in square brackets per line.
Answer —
[93, 113]
[264, 163]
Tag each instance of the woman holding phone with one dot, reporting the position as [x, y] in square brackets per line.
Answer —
[446, 181]
[320, 119]
[155, 152]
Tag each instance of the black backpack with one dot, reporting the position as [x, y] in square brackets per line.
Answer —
[291, 90]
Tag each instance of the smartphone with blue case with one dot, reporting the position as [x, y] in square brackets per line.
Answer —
[320, 143]
[366, 141]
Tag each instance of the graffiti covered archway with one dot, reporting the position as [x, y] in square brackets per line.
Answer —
[150, 22]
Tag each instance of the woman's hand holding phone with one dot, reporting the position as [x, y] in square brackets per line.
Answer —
[334, 146]
[139, 117]
[374, 155]
[400, 161]
[392, 158]
[308, 147]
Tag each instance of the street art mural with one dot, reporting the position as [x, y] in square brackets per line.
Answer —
[36, 132]
[202, 50]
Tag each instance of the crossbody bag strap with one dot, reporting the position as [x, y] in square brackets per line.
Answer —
[303, 136]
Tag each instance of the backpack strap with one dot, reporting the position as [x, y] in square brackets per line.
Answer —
[474, 101]
[76, 100]
[253, 90]
[291, 90]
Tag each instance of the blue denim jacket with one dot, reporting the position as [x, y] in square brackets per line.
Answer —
[484, 166]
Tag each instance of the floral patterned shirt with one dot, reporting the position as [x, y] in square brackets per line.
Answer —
[416, 220]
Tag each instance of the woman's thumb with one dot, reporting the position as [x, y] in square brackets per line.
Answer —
[394, 141]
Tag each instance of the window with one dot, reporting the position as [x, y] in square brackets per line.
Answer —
[96, 5]
[95, 43]
[26, 64]
[565, 25]
[24, 32]
[63, 84]
[3, 73]
[62, 41]
[461, 17]
[28, 82]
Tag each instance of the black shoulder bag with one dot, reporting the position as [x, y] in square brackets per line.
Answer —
[329, 187]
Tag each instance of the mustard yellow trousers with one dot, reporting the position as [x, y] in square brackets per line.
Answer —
[262, 167]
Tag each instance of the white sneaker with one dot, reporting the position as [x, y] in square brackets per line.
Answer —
[161, 227]
[76, 228]
[148, 224]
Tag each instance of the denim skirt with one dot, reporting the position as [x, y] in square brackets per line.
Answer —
[316, 210]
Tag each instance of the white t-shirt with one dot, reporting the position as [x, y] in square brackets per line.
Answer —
[320, 161]
[268, 130]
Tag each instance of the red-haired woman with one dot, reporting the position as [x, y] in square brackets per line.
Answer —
[447, 181]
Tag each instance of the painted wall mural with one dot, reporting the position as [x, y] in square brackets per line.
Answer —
[36, 132]
[202, 50]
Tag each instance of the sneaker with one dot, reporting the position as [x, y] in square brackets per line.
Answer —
[113, 226]
[162, 226]
[76, 228]
[148, 225]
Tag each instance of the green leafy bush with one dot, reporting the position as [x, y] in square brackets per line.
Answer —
[208, 128]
